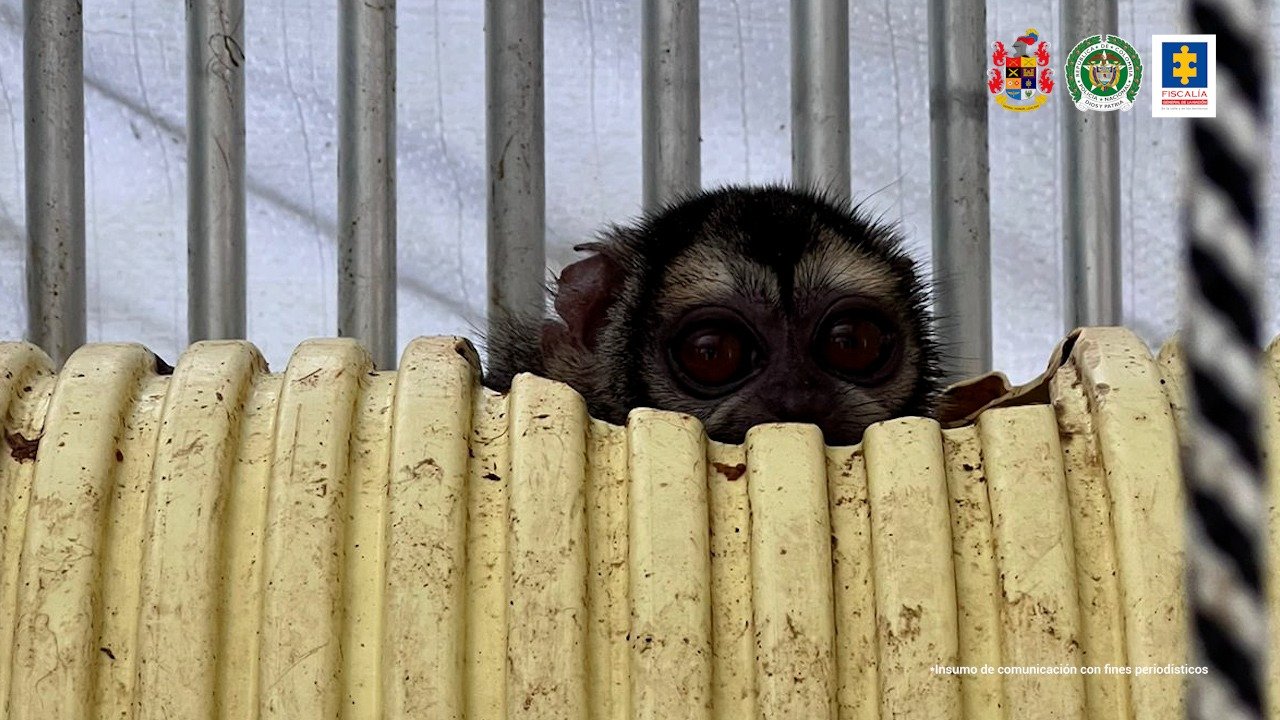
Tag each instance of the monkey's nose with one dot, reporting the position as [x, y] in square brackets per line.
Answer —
[803, 406]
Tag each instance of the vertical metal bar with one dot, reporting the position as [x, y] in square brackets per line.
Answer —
[215, 167]
[517, 169]
[961, 187]
[1091, 223]
[670, 116]
[367, 176]
[820, 95]
[53, 82]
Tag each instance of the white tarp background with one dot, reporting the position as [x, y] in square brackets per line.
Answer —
[135, 159]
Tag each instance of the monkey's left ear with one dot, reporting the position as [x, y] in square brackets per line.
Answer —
[584, 292]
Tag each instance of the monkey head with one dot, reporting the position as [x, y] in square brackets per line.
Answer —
[739, 306]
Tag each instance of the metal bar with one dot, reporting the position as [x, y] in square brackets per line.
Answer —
[961, 197]
[820, 95]
[367, 177]
[1091, 224]
[53, 82]
[670, 116]
[215, 166]
[517, 256]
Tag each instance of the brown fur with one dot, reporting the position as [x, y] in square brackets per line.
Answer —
[779, 258]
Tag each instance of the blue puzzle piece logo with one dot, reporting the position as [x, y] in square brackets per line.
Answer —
[1182, 64]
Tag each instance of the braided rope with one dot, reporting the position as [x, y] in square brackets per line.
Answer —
[1227, 527]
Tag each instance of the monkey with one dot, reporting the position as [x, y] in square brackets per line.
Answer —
[738, 305]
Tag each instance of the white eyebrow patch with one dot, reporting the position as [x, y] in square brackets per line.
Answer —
[834, 267]
[700, 273]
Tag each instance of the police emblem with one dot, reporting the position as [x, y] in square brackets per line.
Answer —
[1103, 73]
[1021, 81]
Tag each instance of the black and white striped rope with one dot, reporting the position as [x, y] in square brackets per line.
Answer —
[1223, 459]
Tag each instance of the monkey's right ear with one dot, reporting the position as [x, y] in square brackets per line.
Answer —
[584, 292]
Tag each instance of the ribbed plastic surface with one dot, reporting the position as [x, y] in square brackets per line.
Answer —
[335, 542]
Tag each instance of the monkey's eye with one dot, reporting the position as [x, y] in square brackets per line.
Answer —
[713, 355]
[859, 345]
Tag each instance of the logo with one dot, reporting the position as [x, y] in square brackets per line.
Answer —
[1187, 68]
[1103, 73]
[1021, 81]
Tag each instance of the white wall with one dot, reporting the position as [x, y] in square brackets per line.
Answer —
[135, 158]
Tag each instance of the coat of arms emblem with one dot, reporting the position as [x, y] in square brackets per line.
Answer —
[1021, 80]
[1103, 73]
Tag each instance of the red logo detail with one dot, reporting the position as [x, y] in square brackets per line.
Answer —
[1042, 54]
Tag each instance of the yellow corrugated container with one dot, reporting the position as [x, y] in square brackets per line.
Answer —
[337, 542]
